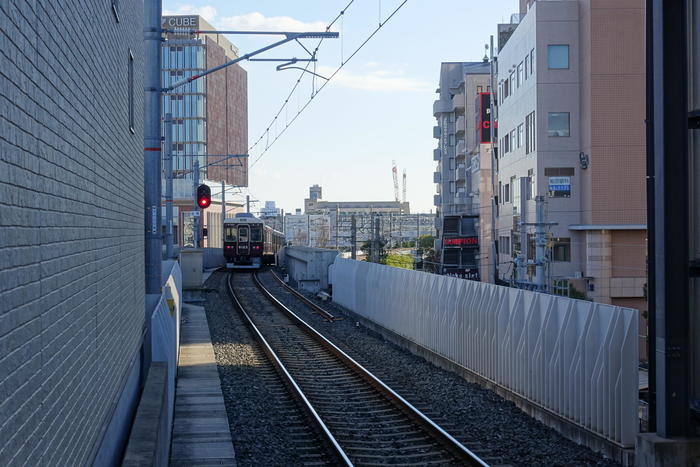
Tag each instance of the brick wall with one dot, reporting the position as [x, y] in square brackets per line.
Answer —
[71, 223]
[227, 116]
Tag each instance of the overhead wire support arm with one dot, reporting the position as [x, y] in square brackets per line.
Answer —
[289, 36]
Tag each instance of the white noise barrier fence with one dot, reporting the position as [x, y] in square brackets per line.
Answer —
[576, 359]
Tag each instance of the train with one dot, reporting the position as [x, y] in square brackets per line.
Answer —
[249, 243]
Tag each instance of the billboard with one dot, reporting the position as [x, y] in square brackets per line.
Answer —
[483, 117]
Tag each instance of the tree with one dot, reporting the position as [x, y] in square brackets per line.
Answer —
[426, 241]
[366, 248]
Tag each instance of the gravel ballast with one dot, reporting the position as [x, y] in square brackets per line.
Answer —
[469, 412]
[259, 408]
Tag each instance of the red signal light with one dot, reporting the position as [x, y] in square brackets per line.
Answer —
[204, 202]
[203, 196]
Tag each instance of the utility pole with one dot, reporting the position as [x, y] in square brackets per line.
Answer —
[494, 164]
[540, 243]
[168, 185]
[247, 204]
[417, 229]
[353, 237]
[308, 230]
[223, 212]
[151, 170]
[337, 218]
[196, 212]
[391, 230]
[522, 257]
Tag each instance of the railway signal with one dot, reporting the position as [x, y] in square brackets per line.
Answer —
[203, 196]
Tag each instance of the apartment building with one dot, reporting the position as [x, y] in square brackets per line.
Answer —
[457, 206]
[571, 109]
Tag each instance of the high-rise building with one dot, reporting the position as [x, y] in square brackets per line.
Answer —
[211, 113]
[571, 107]
[456, 201]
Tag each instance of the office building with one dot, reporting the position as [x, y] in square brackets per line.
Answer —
[571, 107]
[211, 113]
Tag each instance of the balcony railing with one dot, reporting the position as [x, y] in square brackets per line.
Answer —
[460, 125]
[461, 148]
[458, 103]
[441, 106]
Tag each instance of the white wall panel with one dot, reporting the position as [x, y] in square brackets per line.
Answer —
[577, 359]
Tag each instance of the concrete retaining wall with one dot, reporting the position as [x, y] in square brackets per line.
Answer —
[308, 267]
[149, 441]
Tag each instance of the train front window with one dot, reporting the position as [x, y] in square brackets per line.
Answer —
[231, 234]
[243, 234]
[255, 235]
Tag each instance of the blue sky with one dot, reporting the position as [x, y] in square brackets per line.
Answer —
[378, 108]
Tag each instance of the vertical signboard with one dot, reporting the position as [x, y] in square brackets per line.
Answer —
[483, 117]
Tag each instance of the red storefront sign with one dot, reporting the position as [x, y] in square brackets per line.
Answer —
[467, 241]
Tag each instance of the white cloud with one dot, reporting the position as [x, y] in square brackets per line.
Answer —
[207, 12]
[376, 80]
[258, 22]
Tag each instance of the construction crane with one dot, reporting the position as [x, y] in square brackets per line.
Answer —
[395, 174]
[404, 186]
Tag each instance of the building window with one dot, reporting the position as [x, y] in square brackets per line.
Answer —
[558, 124]
[451, 140]
[506, 144]
[532, 61]
[452, 163]
[521, 135]
[531, 184]
[130, 92]
[527, 65]
[506, 193]
[520, 74]
[558, 57]
[500, 193]
[530, 133]
[115, 9]
[512, 82]
[504, 245]
[512, 140]
[561, 249]
[452, 187]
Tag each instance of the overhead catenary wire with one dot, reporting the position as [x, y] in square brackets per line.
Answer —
[329, 79]
[298, 81]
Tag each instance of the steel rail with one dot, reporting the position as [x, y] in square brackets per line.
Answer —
[325, 313]
[447, 440]
[289, 381]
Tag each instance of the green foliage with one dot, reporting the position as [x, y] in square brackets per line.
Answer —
[366, 248]
[575, 293]
[399, 261]
[426, 241]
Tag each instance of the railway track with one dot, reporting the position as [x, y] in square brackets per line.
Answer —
[359, 418]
